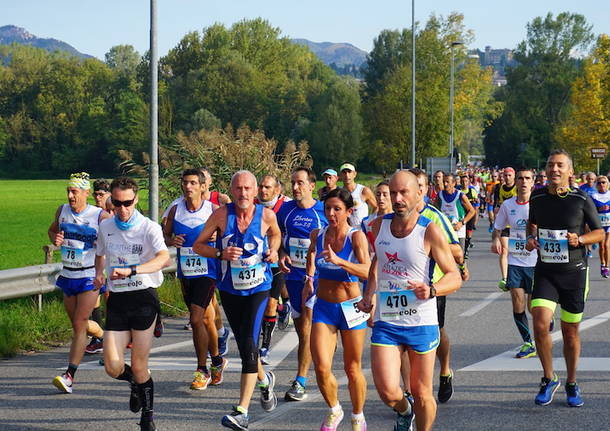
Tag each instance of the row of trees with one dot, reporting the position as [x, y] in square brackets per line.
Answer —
[557, 95]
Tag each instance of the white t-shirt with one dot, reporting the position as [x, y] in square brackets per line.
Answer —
[515, 215]
[134, 246]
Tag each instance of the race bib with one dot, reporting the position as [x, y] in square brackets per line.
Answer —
[247, 273]
[516, 244]
[397, 302]
[72, 253]
[298, 251]
[604, 219]
[553, 245]
[134, 282]
[192, 264]
[353, 316]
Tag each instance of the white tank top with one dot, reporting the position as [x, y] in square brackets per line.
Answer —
[196, 218]
[400, 260]
[361, 209]
[450, 209]
[80, 239]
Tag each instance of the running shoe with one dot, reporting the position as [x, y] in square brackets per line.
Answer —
[332, 421]
[573, 395]
[296, 392]
[445, 388]
[594, 247]
[217, 372]
[223, 345]
[96, 345]
[268, 398]
[605, 272]
[358, 424]
[491, 229]
[200, 381]
[527, 351]
[63, 383]
[264, 355]
[404, 423]
[547, 390]
[284, 316]
[187, 326]
[589, 254]
[236, 420]
[135, 404]
[147, 425]
[159, 328]
[101, 362]
[502, 285]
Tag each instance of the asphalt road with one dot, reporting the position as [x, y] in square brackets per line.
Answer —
[493, 391]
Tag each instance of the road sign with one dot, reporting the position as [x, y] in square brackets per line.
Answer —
[598, 153]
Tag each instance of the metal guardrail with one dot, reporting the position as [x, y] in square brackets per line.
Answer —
[40, 279]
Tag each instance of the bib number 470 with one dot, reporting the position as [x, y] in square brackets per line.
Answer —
[395, 301]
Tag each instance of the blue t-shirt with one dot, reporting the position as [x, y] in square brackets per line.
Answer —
[296, 224]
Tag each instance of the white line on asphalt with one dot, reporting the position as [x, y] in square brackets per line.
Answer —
[488, 300]
[506, 361]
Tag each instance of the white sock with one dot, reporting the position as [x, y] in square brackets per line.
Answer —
[264, 382]
[221, 332]
[336, 409]
[358, 416]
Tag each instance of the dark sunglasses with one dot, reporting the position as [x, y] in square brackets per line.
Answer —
[125, 204]
[602, 182]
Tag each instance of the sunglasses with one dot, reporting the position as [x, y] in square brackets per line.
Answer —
[100, 193]
[118, 203]
[602, 182]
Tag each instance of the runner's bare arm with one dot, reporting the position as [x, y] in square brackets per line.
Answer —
[217, 221]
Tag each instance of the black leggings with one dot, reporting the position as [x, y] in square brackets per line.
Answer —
[245, 315]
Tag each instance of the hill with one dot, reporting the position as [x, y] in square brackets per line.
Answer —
[341, 54]
[10, 34]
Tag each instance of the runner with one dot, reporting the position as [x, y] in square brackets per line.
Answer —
[362, 195]
[75, 228]
[297, 219]
[490, 187]
[438, 184]
[556, 227]
[514, 212]
[384, 206]
[540, 180]
[249, 238]
[456, 206]
[503, 192]
[339, 253]
[601, 199]
[132, 252]
[405, 315]
[270, 197]
[197, 276]
[330, 179]
[101, 195]
[473, 197]
[588, 185]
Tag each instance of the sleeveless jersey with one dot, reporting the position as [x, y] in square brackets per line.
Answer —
[361, 208]
[398, 261]
[80, 236]
[250, 273]
[296, 224]
[330, 271]
[504, 193]
[215, 198]
[602, 203]
[451, 206]
[190, 224]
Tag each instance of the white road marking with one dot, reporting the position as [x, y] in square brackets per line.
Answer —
[506, 361]
[481, 305]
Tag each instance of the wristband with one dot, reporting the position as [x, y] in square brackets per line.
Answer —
[307, 277]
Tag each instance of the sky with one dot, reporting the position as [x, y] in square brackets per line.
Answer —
[94, 27]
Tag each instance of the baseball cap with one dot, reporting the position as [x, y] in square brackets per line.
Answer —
[347, 166]
[330, 172]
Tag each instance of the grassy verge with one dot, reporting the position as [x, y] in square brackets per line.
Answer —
[51, 327]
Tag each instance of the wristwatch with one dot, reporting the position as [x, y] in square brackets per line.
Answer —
[218, 254]
[432, 291]
[133, 270]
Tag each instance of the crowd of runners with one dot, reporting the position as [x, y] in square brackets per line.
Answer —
[334, 261]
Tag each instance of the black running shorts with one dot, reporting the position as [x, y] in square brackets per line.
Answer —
[198, 291]
[441, 303]
[569, 289]
[135, 310]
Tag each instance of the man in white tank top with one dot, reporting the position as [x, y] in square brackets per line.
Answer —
[364, 199]
[402, 295]
[75, 228]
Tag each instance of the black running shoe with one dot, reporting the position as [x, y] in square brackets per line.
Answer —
[445, 388]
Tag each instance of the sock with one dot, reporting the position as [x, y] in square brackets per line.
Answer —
[146, 392]
[242, 410]
[467, 243]
[221, 332]
[126, 375]
[302, 380]
[203, 369]
[357, 416]
[268, 325]
[216, 361]
[96, 316]
[522, 326]
[336, 409]
[264, 383]
[71, 371]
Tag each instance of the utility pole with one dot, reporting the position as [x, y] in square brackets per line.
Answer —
[413, 83]
[153, 184]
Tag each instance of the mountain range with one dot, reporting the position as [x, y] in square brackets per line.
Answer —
[12, 34]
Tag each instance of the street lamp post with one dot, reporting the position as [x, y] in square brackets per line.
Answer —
[413, 83]
[451, 93]
[153, 173]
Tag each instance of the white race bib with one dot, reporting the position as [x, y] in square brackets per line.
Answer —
[604, 219]
[397, 302]
[516, 244]
[72, 253]
[134, 282]
[192, 264]
[247, 273]
[553, 245]
[353, 316]
[298, 251]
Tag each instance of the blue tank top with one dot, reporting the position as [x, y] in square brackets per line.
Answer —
[330, 271]
[250, 273]
[190, 224]
[296, 224]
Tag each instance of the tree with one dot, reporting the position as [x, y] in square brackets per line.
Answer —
[124, 59]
